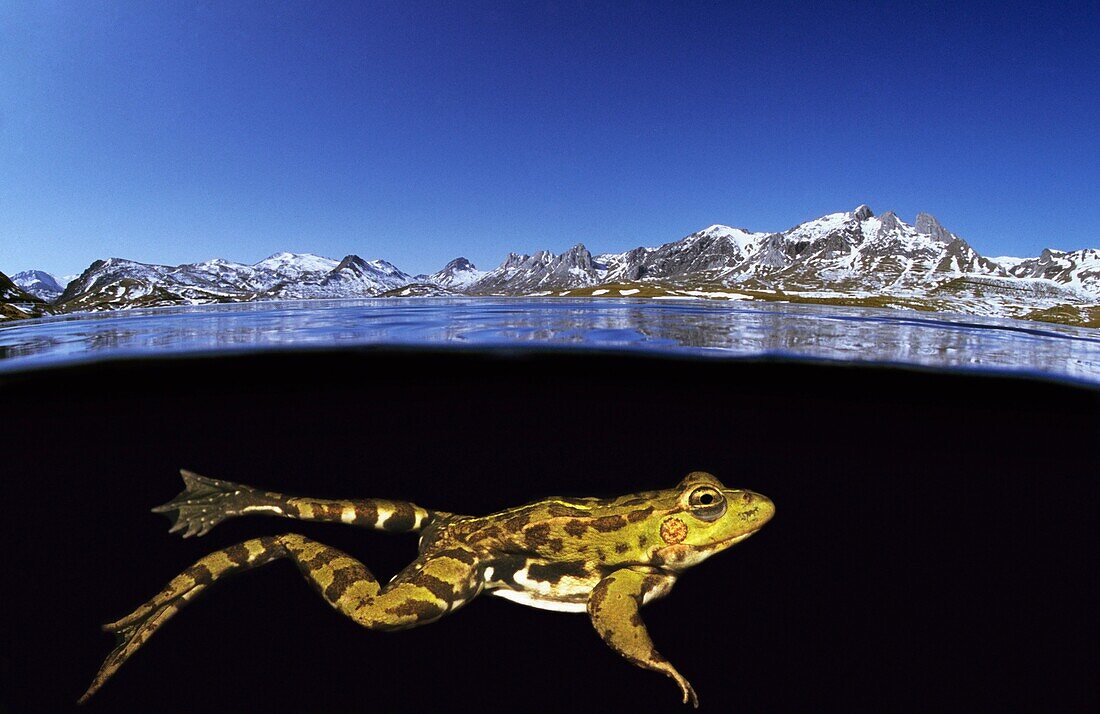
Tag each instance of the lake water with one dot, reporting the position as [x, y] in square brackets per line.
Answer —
[712, 329]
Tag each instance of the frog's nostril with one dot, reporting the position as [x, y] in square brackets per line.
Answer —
[747, 497]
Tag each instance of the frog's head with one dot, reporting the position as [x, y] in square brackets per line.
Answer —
[706, 518]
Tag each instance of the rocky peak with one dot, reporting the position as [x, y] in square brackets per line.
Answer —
[458, 264]
[889, 221]
[576, 257]
[773, 252]
[354, 265]
[96, 265]
[350, 262]
[543, 270]
[358, 276]
[514, 260]
[863, 212]
[458, 273]
[929, 226]
[386, 267]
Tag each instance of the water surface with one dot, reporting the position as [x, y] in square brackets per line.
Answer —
[695, 327]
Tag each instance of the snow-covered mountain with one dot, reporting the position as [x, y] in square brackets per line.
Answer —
[859, 251]
[351, 277]
[521, 274]
[851, 251]
[852, 257]
[706, 252]
[455, 275]
[297, 267]
[118, 283]
[1079, 269]
[39, 283]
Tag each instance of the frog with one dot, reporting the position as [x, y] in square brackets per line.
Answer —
[606, 557]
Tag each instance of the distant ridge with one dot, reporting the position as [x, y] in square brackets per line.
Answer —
[852, 257]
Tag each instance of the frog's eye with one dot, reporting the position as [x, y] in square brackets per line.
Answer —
[707, 503]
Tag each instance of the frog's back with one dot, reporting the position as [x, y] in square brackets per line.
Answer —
[552, 553]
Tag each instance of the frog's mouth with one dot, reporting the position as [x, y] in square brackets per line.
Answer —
[736, 539]
[681, 557]
[719, 545]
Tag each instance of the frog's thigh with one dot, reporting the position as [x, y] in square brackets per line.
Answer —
[430, 587]
[614, 608]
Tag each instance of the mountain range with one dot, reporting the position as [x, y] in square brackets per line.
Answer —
[851, 258]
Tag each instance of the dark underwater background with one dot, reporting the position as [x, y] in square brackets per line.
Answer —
[935, 543]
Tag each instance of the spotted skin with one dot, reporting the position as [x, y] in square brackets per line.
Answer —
[606, 557]
[423, 592]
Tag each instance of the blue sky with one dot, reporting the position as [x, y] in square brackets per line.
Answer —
[418, 131]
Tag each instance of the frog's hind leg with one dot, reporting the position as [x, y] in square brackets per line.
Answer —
[206, 502]
[425, 591]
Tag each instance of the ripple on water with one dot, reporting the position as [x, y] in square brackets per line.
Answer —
[704, 328]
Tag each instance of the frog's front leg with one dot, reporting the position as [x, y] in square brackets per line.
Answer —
[206, 502]
[430, 587]
[613, 607]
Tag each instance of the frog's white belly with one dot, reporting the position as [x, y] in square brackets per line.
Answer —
[533, 600]
[567, 594]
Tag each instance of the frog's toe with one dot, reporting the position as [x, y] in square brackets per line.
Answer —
[130, 633]
[191, 518]
[203, 504]
[690, 697]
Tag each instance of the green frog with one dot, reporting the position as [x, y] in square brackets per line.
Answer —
[603, 556]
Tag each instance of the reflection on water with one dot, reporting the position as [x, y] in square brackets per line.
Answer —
[691, 327]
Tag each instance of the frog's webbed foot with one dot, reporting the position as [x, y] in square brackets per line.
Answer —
[206, 502]
[613, 607]
[128, 639]
[132, 631]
